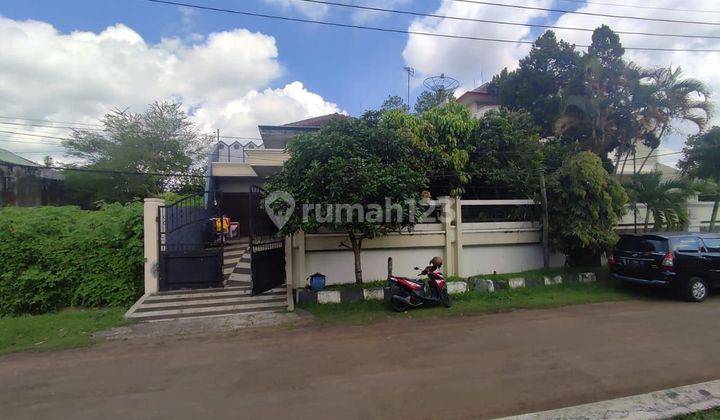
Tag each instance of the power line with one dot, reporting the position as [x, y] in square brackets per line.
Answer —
[389, 30]
[59, 127]
[575, 12]
[18, 133]
[637, 6]
[499, 22]
[6, 117]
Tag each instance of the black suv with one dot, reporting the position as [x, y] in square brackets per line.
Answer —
[690, 262]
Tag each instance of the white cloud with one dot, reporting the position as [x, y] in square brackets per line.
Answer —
[80, 76]
[311, 10]
[469, 60]
[360, 17]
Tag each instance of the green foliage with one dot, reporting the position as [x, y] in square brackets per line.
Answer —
[535, 85]
[394, 103]
[429, 100]
[448, 131]
[160, 140]
[584, 205]
[55, 257]
[505, 153]
[598, 100]
[356, 162]
[665, 199]
[700, 160]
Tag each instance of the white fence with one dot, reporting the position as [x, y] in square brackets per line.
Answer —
[467, 248]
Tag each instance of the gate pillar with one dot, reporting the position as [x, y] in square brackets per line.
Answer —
[151, 243]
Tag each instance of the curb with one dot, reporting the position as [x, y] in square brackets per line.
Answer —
[653, 405]
[307, 296]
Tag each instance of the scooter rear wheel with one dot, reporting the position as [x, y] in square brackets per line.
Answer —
[445, 298]
[398, 306]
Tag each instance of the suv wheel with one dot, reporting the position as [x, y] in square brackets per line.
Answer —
[696, 290]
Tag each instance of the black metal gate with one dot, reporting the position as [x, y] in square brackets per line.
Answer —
[267, 248]
[191, 253]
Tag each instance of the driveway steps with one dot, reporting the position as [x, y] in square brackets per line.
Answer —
[208, 302]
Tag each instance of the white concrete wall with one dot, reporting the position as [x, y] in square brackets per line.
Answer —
[339, 266]
[485, 259]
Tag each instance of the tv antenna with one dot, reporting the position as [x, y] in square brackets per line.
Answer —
[410, 73]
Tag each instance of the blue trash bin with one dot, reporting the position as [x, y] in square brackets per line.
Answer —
[317, 282]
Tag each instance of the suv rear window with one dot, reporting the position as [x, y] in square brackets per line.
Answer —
[712, 244]
[642, 244]
[686, 244]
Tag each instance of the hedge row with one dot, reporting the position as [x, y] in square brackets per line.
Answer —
[55, 257]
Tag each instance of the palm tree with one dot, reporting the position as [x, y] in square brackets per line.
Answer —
[669, 99]
[665, 199]
[700, 160]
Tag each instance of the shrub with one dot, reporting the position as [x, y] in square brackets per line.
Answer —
[54, 257]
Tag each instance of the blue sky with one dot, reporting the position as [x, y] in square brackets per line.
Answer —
[354, 68]
[75, 60]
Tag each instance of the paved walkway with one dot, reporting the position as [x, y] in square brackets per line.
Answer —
[461, 367]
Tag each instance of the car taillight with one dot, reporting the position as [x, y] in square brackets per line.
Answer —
[668, 261]
[612, 260]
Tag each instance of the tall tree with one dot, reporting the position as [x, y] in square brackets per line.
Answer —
[664, 199]
[159, 140]
[536, 84]
[700, 160]
[345, 172]
[394, 103]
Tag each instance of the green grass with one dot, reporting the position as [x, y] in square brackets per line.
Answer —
[476, 302]
[70, 328]
[712, 414]
[540, 273]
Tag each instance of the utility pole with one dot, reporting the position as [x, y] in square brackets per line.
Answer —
[545, 227]
[410, 73]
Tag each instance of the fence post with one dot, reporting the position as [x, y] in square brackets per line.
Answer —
[289, 278]
[446, 218]
[458, 238]
[151, 242]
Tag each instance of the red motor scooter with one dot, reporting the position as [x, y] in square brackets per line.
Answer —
[409, 293]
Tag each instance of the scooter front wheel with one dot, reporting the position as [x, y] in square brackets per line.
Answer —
[398, 306]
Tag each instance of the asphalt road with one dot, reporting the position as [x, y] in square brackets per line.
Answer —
[462, 367]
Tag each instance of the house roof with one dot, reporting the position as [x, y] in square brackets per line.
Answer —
[316, 122]
[12, 158]
[480, 94]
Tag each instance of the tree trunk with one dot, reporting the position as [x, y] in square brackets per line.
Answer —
[357, 247]
[647, 218]
[713, 217]
[662, 132]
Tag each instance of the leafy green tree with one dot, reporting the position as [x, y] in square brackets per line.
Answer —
[394, 103]
[584, 203]
[700, 160]
[505, 154]
[536, 84]
[447, 132]
[429, 100]
[356, 164]
[159, 140]
[664, 199]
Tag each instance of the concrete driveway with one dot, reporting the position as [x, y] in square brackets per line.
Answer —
[462, 367]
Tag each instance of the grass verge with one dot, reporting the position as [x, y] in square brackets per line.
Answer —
[712, 414]
[476, 302]
[69, 328]
[530, 274]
